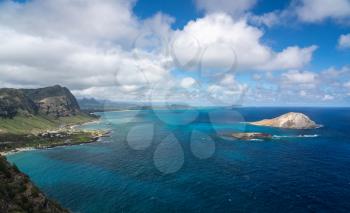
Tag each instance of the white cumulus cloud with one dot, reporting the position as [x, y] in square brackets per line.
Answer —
[223, 41]
[344, 41]
[187, 82]
[327, 97]
[100, 48]
[320, 10]
[299, 77]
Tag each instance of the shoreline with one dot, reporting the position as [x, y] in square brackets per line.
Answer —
[94, 138]
[26, 149]
[74, 126]
[18, 150]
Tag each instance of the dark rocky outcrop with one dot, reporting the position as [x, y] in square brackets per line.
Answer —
[13, 101]
[54, 101]
[251, 136]
[18, 194]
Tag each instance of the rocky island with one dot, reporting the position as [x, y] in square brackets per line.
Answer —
[251, 136]
[291, 120]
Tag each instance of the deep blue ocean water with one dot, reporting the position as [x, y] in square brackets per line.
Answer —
[181, 161]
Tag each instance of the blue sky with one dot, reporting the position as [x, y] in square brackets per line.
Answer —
[204, 52]
[324, 34]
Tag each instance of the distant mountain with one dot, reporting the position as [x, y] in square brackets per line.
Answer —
[54, 101]
[92, 104]
[89, 102]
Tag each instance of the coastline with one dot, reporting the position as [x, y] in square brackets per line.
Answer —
[18, 150]
[26, 149]
[74, 126]
[95, 135]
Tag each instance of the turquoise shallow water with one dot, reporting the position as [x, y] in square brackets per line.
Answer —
[179, 161]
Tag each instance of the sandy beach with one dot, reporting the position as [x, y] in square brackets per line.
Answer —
[17, 150]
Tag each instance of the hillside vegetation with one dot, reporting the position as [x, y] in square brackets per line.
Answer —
[33, 124]
[29, 111]
[18, 194]
[41, 118]
[36, 118]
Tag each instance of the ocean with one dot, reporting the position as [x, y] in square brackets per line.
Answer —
[183, 161]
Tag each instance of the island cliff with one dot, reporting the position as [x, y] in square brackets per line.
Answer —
[291, 120]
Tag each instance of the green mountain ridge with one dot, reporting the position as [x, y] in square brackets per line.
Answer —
[25, 115]
[34, 110]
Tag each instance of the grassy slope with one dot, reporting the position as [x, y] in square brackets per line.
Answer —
[22, 124]
[19, 132]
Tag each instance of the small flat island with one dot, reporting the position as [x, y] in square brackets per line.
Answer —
[251, 136]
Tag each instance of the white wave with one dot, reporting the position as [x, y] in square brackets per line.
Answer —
[296, 136]
[256, 139]
[310, 136]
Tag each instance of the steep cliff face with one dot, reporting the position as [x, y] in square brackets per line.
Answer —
[291, 120]
[13, 101]
[54, 101]
[57, 101]
[24, 113]
[18, 194]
